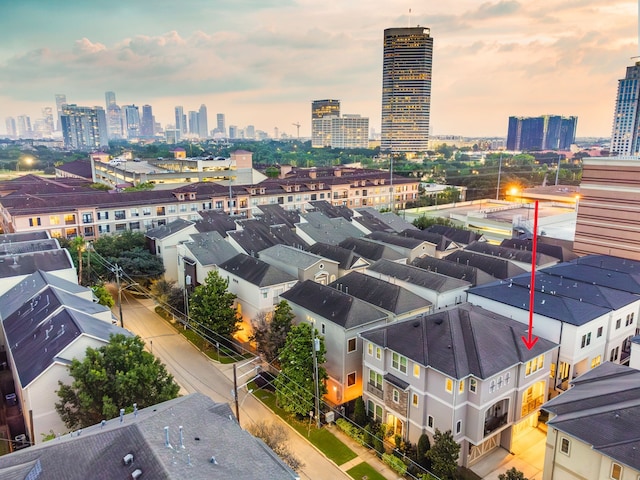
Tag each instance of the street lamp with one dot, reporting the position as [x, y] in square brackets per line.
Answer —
[27, 160]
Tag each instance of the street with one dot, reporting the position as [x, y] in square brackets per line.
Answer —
[195, 372]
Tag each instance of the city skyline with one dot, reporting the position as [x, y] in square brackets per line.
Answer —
[491, 60]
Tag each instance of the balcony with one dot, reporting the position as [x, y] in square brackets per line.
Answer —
[496, 416]
[375, 390]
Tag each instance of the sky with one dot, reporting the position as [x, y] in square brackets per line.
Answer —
[262, 62]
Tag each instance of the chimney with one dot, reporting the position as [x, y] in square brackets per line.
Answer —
[313, 173]
[337, 172]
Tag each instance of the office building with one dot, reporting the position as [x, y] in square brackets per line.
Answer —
[84, 128]
[181, 123]
[131, 117]
[321, 111]
[250, 132]
[114, 116]
[61, 100]
[625, 135]
[221, 127]
[48, 125]
[233, 131]
[349, 131]
[24, 126]
[203, 123]
[546, 132]
[406, 90]
[193, 122]
[12, 131]
[147, 122]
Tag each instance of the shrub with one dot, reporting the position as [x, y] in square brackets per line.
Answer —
[395, 463]
[359, 412]
[352, 430]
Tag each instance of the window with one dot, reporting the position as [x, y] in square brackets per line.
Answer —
[370, 348]
[171, 209]
[194, 207]
[429, 421]
[146, 211]
[416, 370]
[565, 445]
[536, 364]
[119, 215]
[55, 220]
[461, 386]
[34, 222]
[323, 328]
[103, 215]
[351, 379]
[614, 354]
[121, 227]
[586, 340]
[396, 396]
[618, 323]
[375, 379]
[414, 399]
[458, 426]
[134, 226]
[599, 333]
[351, 345]
[616, 471]
[399, 363]
[159, 211]
[378, 353]
[596, 361]
[473, 385]
[183, 207]
[448, 385]
[69, 219]
[87, 218]
[134, 212]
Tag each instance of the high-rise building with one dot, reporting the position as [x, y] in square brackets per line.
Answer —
[250, 132]
[12, 131]
[406, 90]
[203, 122]
[181, 123]
[625, 138]
[233, 131]
[193, 122]
[47, 121]
[61, 100]
[24, 126]
[131, 117]
[110, 98]
[84, 128]
[147, 122]
[546, 132]
[321, 111]
[349, 131]
[221, 127]
[114, 116]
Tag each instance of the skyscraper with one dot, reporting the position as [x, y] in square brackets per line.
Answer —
[221, 127]
[83, 128]
[181, 127]
[349, 131]
[203, 122]
[406, 89]
[114, 116]
[625, 138]
[12, 131]
[193, 122]
[321, 113]
[61, 100]
[47, 119]
[147, 122]
[24, 126]
[131, 116]
[546, 132]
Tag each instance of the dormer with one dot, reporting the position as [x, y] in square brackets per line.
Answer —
[312, 186]
[192, 195]
[363, 183]
[263, 190]
[382, 181]
[320, 186]
[375, 181]
[297, 188]
[180, 196]
[287, 188]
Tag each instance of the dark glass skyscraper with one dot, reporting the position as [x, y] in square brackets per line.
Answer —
[546, 132]
[406, 89]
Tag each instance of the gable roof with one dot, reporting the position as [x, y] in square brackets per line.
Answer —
[608, 262]
[332, 211]
[255, 271]
[462, 341]
[254, 236]
[417, 276]
[207, 428]
[619, 280]
[458, 235]
[346, 258]
[171, 228]
[333, 305]
[522, 256]
[329, 230]
[602, 409]
[215, 220]
[276, 215]
[395, 239]
[556, 251]
[385, 295]
[494, 266]
[452, 269]
[209, 248]
[15, 248]
[24, 236]
[441, 242]
[26, 263]
[292, 256]
[79, 168]
[390, 221]
[371, 249]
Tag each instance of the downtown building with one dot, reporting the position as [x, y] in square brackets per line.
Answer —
[546, 132]
[406, 90]
[329, 129]
[84, 128]
[625, 134]
[322, 111]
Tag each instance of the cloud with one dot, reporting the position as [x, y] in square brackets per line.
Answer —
[491, 10]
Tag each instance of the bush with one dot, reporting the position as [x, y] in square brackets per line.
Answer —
[378, 440]
[360, 412]
[352, 430]
[395, 463]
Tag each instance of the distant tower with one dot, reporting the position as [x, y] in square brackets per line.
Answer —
[61, 100]
[147, 122]
[220, 125]
[406, 90]
[321, 113]
[47, 118]
[114, 116]
[181, 127]
[203, 122]
[12, 131]
[24, 126]
[625, 138]
[84, 128]
[193, 122]
[131, 116]
[110, 98]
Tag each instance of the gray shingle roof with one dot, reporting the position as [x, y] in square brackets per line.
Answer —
[557, 251]
[440, 241]
[602, 409]
[346, 258]
[465, 340]
[333, 305]
[371, 249]
[389, 297]
[164, 231]
[458, 235]
[332, 211]
[292, 256]
[452, 269]
[23, 236]
[26, 263]
[255, 271]
[494, 266]
[619, 280]
[518, 255]
[210, 248]
[28, 246]
[254, 236]
[394, 239]
[215, 220]
[417, 276]
[390, 220]
[276, 215]
[209, 430]
[329, 230]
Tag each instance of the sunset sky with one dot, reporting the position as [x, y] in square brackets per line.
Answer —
[262, 62]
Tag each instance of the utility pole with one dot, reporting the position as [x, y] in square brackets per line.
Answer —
[558, 169]
[235, 392]
[117, 270]
[391, 202]
[315, 347]
[499, 172]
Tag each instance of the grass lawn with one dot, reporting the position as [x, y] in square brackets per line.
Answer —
[363, 470]
[322, 439]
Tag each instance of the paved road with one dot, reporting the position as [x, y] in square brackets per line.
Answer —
[195, 372]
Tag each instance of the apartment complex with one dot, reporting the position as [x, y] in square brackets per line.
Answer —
[406, 90]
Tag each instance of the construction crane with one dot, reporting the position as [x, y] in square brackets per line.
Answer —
[297, 125]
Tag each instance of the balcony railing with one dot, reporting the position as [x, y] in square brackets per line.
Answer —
[532, 405]
[372, 388]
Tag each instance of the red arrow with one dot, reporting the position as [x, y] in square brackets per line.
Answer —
[530, 341]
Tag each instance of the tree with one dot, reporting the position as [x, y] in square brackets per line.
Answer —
[424, 445]
[211, 305]
[425, 222]
[444, 454]
[104, 297]
[112, 377]
[168, 295]
[270, 335]
[512, 474]
[295, 388]
[359, 412]
[275, 436]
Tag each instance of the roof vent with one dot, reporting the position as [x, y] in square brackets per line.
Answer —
[416, 324]
[438, 321]
[127, 459]
[137, 473]
[213, 460]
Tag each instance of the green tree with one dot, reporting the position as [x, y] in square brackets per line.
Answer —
[104, 297]
[424, 222]
[168, 295]
[295, 388]
[444, 455]
[512, 474]
[211, 305]
[112, 377]
[424, 445]
[359, 412]
[270, 334]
